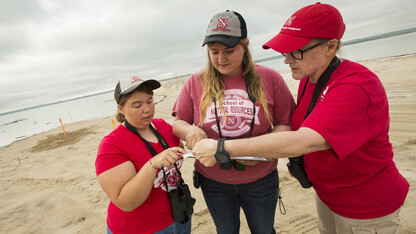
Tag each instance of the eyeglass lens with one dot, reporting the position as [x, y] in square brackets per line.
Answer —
[298, 54]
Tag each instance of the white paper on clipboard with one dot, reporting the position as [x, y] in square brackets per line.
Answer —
[190, 155]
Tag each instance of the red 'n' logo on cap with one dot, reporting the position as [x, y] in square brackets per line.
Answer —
[222, 22]
[135, 79]
[221, 25]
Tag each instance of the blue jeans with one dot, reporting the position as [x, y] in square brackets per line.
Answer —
[174, 228]
[258, 200]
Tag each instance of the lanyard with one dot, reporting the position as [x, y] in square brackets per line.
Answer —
[151, 149]
[322, 81]
[253, 100]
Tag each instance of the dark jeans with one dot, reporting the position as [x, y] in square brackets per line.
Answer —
[258, 200]
[174, 228]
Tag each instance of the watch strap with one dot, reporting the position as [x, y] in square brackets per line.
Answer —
[221, 155]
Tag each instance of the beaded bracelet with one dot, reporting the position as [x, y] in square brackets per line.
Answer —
[150, 162]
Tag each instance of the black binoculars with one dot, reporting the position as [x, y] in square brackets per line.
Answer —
[182, 202]
[238, 166]
[296, 168]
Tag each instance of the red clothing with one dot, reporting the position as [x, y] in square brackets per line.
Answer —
[122, 145]
[357, 178]
[239, 109]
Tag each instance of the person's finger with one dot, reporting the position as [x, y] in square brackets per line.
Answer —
[189, 143]
[172, 158]
[177, 151]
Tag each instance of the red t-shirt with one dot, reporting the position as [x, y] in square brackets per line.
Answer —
[122, 145]
[357, 178]
[239, 109]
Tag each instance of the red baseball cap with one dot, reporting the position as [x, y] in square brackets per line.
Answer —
[310, 22]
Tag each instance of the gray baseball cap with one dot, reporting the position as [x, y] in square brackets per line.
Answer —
[130, 84]
[227, 28]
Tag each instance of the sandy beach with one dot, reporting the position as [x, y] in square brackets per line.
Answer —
[48, 184]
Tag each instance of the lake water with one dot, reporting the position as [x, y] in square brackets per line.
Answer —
[21, 124]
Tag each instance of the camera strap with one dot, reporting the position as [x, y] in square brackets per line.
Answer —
[322, 82]
[252, 99]
[151, 149]
[295, 164]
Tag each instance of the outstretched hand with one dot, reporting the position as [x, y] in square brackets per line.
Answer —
[168, 157]
[204, 151]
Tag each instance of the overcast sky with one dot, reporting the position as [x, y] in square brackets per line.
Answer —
[52, 50]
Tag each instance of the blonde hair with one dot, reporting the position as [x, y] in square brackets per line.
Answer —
[214, 86]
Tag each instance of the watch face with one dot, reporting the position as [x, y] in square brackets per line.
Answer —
[222, 158]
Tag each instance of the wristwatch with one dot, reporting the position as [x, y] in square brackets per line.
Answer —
[221, 155]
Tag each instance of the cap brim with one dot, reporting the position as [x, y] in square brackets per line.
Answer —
[286, 43]
[153, 84]
[228, 41]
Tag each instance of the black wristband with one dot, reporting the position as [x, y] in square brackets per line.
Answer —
[221, 155]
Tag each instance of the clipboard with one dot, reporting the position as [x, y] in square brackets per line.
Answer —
[248, 158]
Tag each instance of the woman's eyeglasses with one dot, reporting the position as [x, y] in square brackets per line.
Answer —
[298, 54]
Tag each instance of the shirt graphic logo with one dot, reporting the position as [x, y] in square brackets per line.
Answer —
[239, 110]
[326, 90]
[222, 25]
[323, 94]
[172, 177]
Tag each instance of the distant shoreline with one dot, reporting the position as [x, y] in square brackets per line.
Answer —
[259, 60]
[354, 41]
[12, 122]
[76, 98]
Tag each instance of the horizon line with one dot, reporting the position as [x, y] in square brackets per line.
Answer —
[350, 42]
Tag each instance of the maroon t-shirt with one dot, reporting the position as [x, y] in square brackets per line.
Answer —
[239, 111]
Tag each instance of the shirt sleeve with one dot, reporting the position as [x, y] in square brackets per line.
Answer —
[109, 155]
[342, 118]
[183, 107]
[165, 129]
